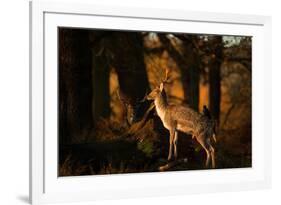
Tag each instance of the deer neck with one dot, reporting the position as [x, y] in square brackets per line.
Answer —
[161, 104]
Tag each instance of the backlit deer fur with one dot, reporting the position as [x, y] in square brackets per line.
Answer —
[182, 118]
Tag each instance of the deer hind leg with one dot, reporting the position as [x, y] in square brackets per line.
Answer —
[211, 153]
[175, 142]
[206, 146]
[207, 163]
[172, 135]
[212, 150]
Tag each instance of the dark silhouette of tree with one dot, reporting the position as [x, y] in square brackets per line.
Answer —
[75, 84]
[100, 77]
[214, 76]
[126, 53]
[188, 62]
[191, 72]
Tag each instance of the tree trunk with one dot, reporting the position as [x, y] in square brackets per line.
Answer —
[127, 57]
[188, 63]
[191, 75]
[75, 84]
[214, 79]
[100, 77]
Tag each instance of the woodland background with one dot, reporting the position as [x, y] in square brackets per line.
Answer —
[104, 127]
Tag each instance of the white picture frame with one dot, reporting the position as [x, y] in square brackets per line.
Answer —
[46, 186]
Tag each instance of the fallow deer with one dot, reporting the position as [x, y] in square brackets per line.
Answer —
[183, 118]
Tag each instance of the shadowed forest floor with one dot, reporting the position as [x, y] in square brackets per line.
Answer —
[147, 150]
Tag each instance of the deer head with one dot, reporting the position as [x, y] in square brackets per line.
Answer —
[156, 92]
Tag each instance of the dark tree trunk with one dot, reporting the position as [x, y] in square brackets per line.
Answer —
[214, 78]
[100, 77]
[75, 84]
[190, 80]
[101, 98]
[191, 75]
[127, 57]
[189, 65]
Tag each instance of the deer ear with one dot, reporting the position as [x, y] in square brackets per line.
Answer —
[161, 86]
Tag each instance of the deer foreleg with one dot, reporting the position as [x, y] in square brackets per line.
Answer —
[175, 141]
[172, 134]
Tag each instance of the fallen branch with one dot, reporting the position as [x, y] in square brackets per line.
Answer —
[169, 165]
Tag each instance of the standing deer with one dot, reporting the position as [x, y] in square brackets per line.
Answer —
[182, 118]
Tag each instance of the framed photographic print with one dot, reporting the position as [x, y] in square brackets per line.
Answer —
[134, 102]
